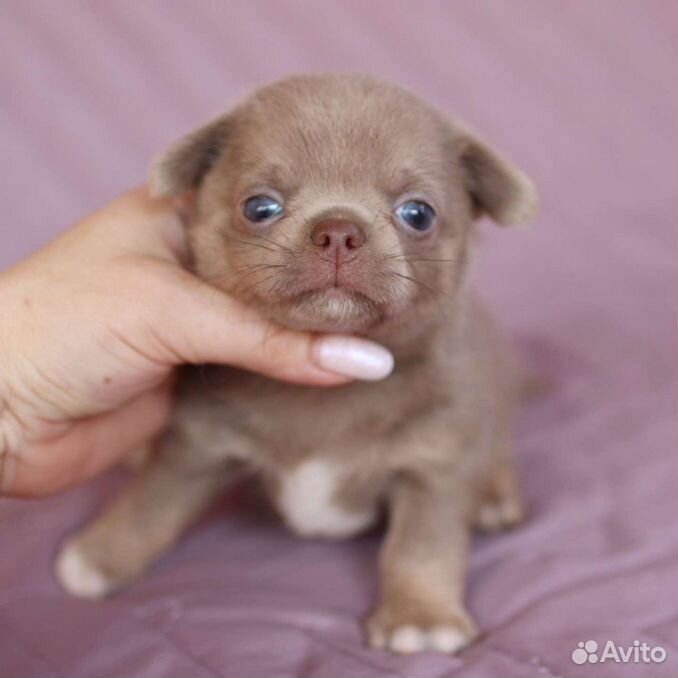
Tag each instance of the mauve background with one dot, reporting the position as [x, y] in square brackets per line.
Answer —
[581, 94]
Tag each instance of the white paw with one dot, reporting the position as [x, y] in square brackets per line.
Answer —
[409, 639]
[496, 516]
[79, 577]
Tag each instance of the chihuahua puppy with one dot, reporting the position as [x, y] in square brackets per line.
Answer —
[339, 204]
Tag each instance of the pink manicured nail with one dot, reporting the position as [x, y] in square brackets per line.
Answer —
[352, 357]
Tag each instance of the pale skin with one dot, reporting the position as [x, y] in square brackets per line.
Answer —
[92, 327]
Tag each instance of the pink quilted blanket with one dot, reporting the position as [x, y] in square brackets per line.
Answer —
[582, 95]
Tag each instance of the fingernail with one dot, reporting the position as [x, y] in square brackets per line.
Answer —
[353, 357]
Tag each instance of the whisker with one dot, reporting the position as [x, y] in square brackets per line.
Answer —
[247, 290]
[415, 281]
[241, 274]
[280, 246]
[250, 243]
[413, 259]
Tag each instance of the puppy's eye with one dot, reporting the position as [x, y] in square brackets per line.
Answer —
[260, 208]
[416, 214]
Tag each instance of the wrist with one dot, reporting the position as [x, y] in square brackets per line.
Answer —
[9, 439]
[10, 429]
[12, 432]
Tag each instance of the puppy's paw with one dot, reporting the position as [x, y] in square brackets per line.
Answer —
[388, 630]
[502, 513]
[408, 639]
[79, 574]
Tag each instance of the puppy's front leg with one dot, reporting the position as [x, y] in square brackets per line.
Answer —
[144, 521]
[422, 568]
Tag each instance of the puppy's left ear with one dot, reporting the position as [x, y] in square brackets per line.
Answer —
[497, 188]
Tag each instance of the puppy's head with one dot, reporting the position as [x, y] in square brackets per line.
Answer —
[337, 203]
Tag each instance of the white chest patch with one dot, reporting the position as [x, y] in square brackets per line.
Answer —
[307, 502]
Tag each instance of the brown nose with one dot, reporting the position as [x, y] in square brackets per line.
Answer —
[337, 239]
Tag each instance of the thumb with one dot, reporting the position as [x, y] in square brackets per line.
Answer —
[208, 326]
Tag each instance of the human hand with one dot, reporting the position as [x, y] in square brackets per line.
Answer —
[92, 326]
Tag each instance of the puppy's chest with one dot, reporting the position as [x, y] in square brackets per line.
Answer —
[317, 450]
[294, 420]
[316, 499]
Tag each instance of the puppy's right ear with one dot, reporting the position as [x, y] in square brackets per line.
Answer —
[183, 165]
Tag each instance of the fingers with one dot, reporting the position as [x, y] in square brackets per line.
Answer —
[211, 327]
[157, 220]
[86, 448]
[131, 224]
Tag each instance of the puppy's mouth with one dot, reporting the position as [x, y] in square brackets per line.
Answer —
[331, 309]
[334, 309]
[314, 293]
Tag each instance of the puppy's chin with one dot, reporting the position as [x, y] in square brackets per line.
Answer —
[327, 310]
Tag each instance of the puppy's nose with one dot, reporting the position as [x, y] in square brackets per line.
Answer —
[337, 239]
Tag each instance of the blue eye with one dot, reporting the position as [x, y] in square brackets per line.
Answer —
[260, 208]
[416, 214]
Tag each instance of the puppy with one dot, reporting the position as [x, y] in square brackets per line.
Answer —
[339, 204]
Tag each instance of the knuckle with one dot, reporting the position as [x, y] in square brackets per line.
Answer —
[282, 350]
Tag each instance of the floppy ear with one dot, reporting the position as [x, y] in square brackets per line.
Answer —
[183, 165]
[496, 187]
